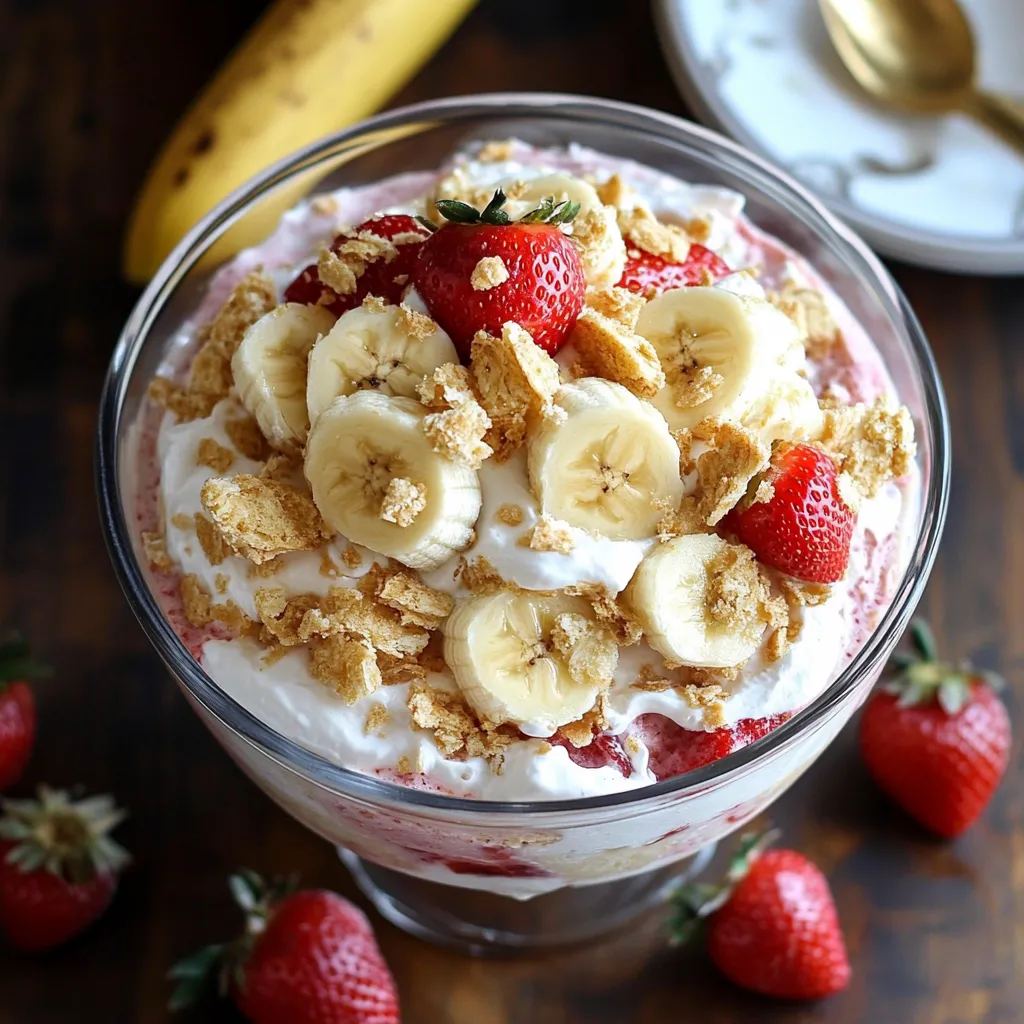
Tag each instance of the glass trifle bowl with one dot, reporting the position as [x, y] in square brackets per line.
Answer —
[471, 870]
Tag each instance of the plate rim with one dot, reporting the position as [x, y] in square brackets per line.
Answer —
[903, 242]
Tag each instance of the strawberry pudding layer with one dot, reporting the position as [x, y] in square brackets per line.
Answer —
[542, 476]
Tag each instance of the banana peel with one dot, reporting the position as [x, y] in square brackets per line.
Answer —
[307, 68]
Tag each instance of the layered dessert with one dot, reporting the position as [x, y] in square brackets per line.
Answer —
[542, 476]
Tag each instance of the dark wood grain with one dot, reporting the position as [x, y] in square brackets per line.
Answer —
[87, 91]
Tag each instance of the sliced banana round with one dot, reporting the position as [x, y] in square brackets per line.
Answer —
[500, 650]
[595, 227]
[686, 612]
[366, 458]
[718, 350]
[787, 410]
[269, 368]
[607, 464]
[387, 350]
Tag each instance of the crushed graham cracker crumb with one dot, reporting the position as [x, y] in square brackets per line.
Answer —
[200, 610]
[489, 272]
[347, 665]
[803, 595]
[155, 548]
[609, 611]
[403, 501]
[602, 250]
[618, 304]
[327, 566]
[549, 534]
[414, 324]
[709, 699]
[245, 434]
[871, 444]
[211, 540]
[644, 230]
[496, 151]
[213, 454]
[610, 349]
[458, 433]
[341, 268]
[263, 518]
[351, 557]
[455, 729]
[764, 493]
[510, 515]
[808, 309]
[736, 590]
[515, 379]
[221, 583]
[263, 571]
[684, 440]
[285, 468]
[615, 192]
[480, 576]
[377, 719]
[182, 521]
[693, 386]
[448, 386]
[581, 733]
[727, 468]
[416, 603]
[395, 671]
[374, 304]
[588, 648]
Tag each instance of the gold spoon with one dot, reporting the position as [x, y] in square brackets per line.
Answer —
[918, 56]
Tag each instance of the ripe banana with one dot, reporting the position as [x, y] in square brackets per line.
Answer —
[606, 463]
[500, 650]
[368, 349]
[602, 252]
[719, 351]
[669, 594]
[269, 368]
[359, 447]
[307, 68]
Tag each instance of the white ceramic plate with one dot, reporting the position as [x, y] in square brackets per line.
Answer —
[937, 191]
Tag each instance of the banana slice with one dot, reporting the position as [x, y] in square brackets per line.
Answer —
[718, 350]
[367, 449]
[269, 368]
[687, 604]
[388, 350]
[501, 651]
[606, 463]
[596, 228]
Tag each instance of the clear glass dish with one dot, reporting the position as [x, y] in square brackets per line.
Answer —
[488, 875]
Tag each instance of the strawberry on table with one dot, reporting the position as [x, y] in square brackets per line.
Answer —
[804, 528]
[541, 287]
[651, 274]
[387, 280]
[305, 957]
[936, 738]
[17, 708]
[771, 926]
[58, 866]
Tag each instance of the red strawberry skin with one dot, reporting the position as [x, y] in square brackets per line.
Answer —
[40, 910]
[543, 293]
[779, 932]
[385, 280]
[941, 768]
[317, 962]
[806, 528]
[17, 731]
[675, 750]
[651, 275]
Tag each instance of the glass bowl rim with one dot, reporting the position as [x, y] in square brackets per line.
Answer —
[502, 106]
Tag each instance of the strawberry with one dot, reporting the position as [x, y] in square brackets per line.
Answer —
[305, 957]
[387, 280]
[650, 274]
[544, 289]
[674, 750]
[771, 926]
[58, 866]
[936, 738]
[804, 529]
[17, 709]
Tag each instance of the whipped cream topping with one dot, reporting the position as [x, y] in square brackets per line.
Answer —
[286, 696]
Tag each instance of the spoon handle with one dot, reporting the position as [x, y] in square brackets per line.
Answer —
[999, 114]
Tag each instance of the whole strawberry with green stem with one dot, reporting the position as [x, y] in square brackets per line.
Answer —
[936, 738]
[17, 708]
[543, 287]
[305, 957]
[58, 866]
[771, 926]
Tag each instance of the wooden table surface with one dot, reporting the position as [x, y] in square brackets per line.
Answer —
[88, 89]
